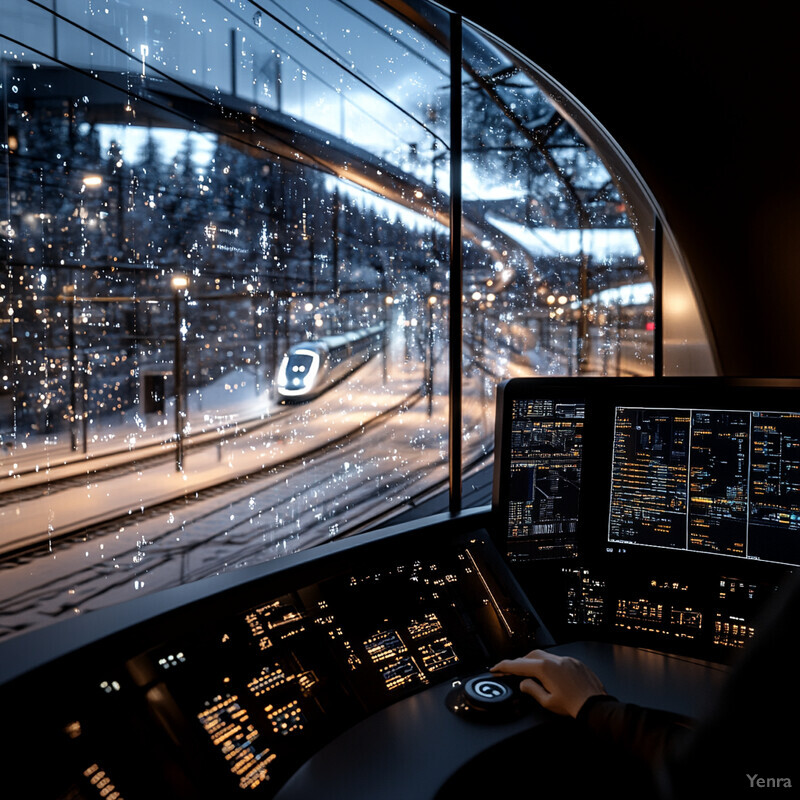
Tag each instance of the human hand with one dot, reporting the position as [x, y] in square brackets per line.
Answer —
[558, 683]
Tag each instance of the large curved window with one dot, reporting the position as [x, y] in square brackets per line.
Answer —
[228, 290]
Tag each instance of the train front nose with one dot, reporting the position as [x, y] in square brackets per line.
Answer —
[297, 372]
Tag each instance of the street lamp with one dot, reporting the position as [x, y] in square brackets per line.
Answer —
[69, 295]
[179, 283]
[429, 380]
[91, 181]
[388, 301]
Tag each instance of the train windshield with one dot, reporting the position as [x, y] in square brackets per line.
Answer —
[192, 191]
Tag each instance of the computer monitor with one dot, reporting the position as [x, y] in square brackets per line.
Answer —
[694, 465]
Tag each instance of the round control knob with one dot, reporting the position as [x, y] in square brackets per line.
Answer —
[487, 697]
[486, 691]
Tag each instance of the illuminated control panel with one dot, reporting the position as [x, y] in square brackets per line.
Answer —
[277, 680]
[238, 694]
[699, 613]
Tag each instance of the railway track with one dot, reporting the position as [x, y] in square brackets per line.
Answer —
[83, 532]
[172, 544]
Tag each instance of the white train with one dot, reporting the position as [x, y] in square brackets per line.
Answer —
[309, 368]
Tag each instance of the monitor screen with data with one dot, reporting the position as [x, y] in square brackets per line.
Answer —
[701, 465]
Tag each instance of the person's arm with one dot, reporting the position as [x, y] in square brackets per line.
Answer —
[566, 686]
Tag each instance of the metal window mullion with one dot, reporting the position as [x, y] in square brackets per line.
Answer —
[658, 296]
[456, 268]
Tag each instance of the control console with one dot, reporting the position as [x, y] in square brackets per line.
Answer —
[235, 693]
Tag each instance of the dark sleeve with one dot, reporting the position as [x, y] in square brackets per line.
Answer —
[649, 735]
[752, 730]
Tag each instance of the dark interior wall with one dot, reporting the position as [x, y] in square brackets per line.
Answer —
[705, 106]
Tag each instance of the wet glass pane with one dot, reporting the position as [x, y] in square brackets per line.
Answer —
[223, 331]
[567, 291]
[225, 280]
